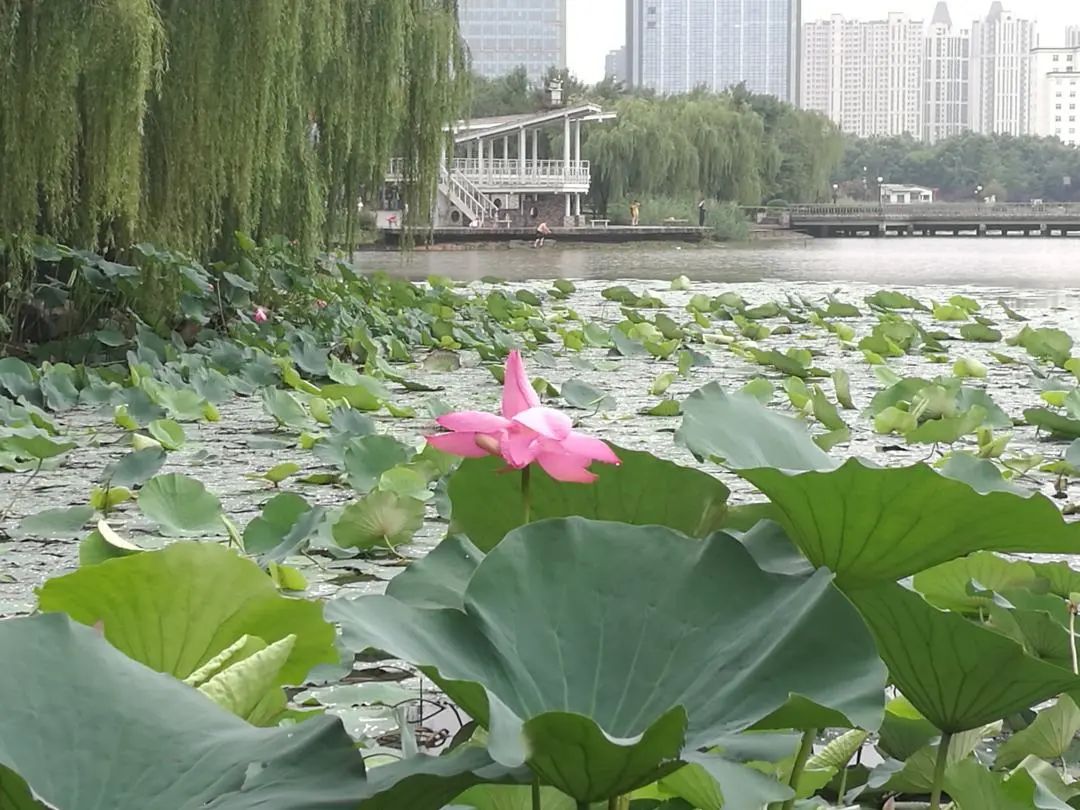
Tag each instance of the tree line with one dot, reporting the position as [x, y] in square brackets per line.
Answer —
[964, 168]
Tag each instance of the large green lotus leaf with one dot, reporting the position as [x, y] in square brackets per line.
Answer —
[965, 585]
[1057, 424]
[643, 491]
[15, 793]
[424, 782]
[917, 773]
[1048, 737]
[175, 609]
[972, 787]
[865, 523]
[745, 434]
[950, 668]
[631, 633]
[513, 797]
[440, 578]
[126, 738]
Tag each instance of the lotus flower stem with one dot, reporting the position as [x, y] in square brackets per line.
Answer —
[619, 803]
[1072, 637]
[536, 794]
[939, 770]
[526, 493]
[799, 766]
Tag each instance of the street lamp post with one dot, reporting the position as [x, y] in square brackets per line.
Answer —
[978, 192]
[881, 194]
[835, 192]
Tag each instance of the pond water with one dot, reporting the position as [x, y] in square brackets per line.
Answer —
[1032, 263]
[1039, 278]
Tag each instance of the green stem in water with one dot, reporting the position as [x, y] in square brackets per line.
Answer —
[536, 794]
[526, 493]
[1072, 637]
[797, 769]
[939, 770]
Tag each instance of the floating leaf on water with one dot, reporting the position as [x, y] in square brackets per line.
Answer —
[667, 407]
[980, 333]
[168, 433]
[968, 367]
[842, 384]
[442, 360]
[279, 472]
[180, 505]
[1011, 314]
[379, 519]
[579, 394]
[56, 524]
[134, 469]
[760, 389]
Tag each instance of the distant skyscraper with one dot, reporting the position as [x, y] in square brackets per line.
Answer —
[865, 76]
[946, 78]
[1072, 36]
[675, 46]
[503, 34]
[1055, 85]
[615, 65]
[1001, 76]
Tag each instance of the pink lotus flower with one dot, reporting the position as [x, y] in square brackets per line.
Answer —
[261, 315]
[524, 433]
[320, 304]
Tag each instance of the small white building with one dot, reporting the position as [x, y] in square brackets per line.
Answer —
[902, 194]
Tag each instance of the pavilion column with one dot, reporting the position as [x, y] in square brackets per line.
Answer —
[536, 145]
[577, 142]
[566, 152]
[521, 152]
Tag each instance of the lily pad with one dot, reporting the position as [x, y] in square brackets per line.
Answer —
[180, 505]
[636, 687]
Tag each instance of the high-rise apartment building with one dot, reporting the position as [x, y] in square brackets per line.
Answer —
[1001, 74]
[1072, 36]
[865, 76]
[503, 34]
[615, 65]
[675, 46]
[1055, 89]
[946, 78]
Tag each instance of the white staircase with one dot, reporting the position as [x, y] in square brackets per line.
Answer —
[468, 197]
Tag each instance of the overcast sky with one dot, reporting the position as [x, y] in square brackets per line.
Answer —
[597, 26]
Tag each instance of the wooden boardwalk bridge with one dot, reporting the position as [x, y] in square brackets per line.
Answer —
[932, 219]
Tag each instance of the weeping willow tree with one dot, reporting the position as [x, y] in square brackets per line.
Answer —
[716, 145]
[183, 122]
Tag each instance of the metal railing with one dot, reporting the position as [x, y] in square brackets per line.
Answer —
[942, 211]
[511, 173]
[465, 194]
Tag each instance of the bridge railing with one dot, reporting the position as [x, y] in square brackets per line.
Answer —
[973, 211]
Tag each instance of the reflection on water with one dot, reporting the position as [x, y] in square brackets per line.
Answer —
[1046, 263]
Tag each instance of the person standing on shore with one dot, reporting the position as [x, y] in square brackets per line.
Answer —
[635, 212]
[542, 231]
[701, 213]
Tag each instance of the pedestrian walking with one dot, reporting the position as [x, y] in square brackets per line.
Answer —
[635, 212]
[701, 213]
